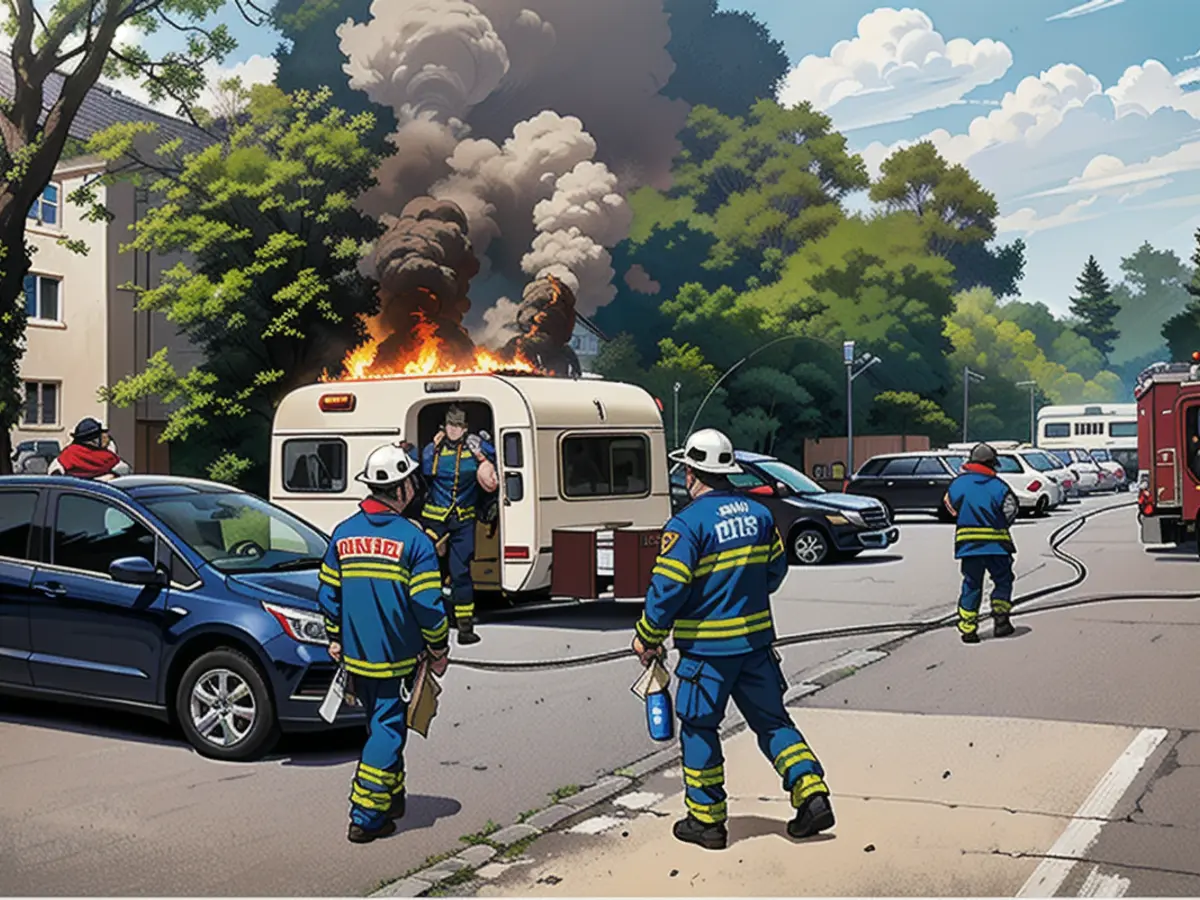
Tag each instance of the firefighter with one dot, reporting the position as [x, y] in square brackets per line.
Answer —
[91, 454]
[720, 560]
[450, 464]
[381, 598]
[985, 508]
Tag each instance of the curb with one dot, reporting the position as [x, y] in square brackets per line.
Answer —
[462, 865]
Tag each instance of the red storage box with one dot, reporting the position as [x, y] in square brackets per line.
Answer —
[573, 566]
[634, 552]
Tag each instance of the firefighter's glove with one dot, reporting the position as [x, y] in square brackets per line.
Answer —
[474, 444]
[439, 660]
[647, 654]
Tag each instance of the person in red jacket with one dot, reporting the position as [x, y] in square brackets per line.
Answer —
[89, 455]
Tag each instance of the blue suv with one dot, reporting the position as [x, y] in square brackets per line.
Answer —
[188, 601]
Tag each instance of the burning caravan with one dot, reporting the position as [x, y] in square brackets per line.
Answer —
[578, 459]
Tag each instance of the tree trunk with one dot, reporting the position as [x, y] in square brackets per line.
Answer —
[13, 267]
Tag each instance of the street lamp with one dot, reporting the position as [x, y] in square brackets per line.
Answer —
[1032, 385]
[677, 387]
[968, 377]
[863, 363]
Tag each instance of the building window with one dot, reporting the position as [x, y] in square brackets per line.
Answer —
[605, 466]
[45, 209]
[42, 294]
[41, 403]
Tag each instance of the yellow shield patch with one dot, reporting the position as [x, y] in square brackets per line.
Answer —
[669, 540]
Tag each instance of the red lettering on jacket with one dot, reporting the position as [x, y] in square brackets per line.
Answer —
[370, 548]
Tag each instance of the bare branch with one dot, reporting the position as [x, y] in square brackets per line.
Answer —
[243, 5]
[184, 29]
[148, 69]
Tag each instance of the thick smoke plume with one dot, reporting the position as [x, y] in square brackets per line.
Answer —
[424, 264]
[492, 97]
[544, 321]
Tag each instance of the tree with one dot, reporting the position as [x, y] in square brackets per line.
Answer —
[1095, 308]
[723, 59]
[1182, 332]
[274, 296]
[78, 39]
[311, 57]
[904, 412]
[957, 213]
[1035, 317]
[1154, 291]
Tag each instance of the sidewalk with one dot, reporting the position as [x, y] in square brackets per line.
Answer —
[926, 805]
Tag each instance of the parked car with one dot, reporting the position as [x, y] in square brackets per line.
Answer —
[1087, 472]
[1036, 492]
[184, 600]
[34, 457]
[1119, 477]
[1052, 467]
[816, 525]
[915, 481]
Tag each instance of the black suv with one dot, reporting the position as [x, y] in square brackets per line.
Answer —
[905, 482]
[816, 525]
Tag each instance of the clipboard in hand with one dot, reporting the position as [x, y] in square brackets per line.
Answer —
[334, 696]
[423, 703]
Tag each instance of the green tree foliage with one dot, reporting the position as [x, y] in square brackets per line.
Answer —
[1095, 308]
[78, 38]
[273, 295]
[905, 412]
[723, 59]
[1154, 291]
[311, 57]
[1182, 332]
[957, 213]
[1035, 317]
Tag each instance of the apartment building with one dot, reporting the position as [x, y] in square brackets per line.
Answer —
[84, 330]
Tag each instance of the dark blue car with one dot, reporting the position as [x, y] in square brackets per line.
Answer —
[188, 601]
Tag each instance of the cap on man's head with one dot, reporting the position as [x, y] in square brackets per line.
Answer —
[87, 429]
[456, 416]
[984, 455]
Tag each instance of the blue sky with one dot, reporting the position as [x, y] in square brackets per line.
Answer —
[1080, 115]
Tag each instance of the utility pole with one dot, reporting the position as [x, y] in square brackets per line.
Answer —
[863, 362]
[1032, 385]
[967, 376]
[677, 387]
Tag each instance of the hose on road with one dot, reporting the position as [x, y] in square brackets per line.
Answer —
[910, 628]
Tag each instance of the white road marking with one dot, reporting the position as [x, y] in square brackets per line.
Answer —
[1097, 885]
[596, 825]
[1085, 826]
[637, 800]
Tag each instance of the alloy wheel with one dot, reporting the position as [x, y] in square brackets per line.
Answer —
[222, 707]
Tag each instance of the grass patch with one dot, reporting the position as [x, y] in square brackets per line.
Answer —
[527, 815]
[568, 790]
[481, 836]
[519, 848]
[625, 772]
[462, 876]
[429, 861]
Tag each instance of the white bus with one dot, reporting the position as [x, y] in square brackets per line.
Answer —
[1108, 430]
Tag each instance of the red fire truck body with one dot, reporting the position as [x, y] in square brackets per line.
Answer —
[1168, 399]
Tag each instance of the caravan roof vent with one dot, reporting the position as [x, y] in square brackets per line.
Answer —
[1093, 411]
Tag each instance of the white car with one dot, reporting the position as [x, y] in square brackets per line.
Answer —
[1036, 492]
[1104, 460]
[1052, 468]
[1086, 470]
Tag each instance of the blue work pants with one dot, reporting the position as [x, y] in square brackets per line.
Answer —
[1000, 567]
[380, 774]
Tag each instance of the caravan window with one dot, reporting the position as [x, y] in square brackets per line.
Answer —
[314, 467]
[1122, 429]
[605, 466]
[1056, 430]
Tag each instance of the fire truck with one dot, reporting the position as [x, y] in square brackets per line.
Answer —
[1168, 402]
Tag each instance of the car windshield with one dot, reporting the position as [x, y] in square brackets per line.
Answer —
[1101, 456]
[239, 533]
[797, 481]
[1063, 456]
[1042, 462]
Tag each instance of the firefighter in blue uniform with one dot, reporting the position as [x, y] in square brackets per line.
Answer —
[450, 464]
[381, 597]
[720, 560]
[985, 509]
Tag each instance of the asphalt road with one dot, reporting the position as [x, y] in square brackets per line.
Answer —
[102, 804]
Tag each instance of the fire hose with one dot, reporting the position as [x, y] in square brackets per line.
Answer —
[910, 628]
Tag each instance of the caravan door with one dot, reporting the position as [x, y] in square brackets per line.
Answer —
[519, 552]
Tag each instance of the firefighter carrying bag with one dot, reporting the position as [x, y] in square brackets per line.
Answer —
[423, 701]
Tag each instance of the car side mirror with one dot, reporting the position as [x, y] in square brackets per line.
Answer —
[783, 490]
[136, 570]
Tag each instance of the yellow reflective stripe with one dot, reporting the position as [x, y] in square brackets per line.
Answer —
[648, 633]
[359, 791]
[329, 570]
[399, 788]
[776, 550]
[435, 578]
[380, 670]
[436, 634]
[460, 611]
[722, 624]
[379, 775]
[671, 574]
[1001, 606]
[680, 567]
[782, 757]
[733, 632]
[700, 778]
[784, 763]
[375, 566]
[332, 627]
[806, 787]
[700, 773]
[371, 803]
[708, 813]
[329, 580]
[982, 534]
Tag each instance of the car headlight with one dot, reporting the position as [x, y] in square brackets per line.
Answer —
[299, 624]
[847, 517]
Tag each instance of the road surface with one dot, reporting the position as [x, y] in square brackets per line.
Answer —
[97, 803]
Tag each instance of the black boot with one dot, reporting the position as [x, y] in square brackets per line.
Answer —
[1004, 626]
[710, 837]
[398, 805]
[360, 835]
[814, 816]
[466, 631]
[970, 637]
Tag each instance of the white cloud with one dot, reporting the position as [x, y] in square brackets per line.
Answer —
[1085, 9]
[1151, 86]
[896, 67]
[1108, 174]
[253, 70]
[1028, 221]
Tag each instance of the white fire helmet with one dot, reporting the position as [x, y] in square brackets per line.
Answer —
[387, 466]
[708, 450]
